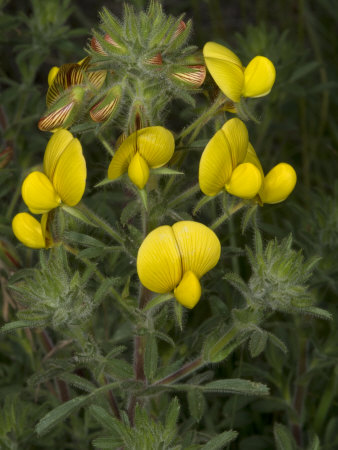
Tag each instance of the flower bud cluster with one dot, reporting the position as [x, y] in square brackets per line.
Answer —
[135, 67]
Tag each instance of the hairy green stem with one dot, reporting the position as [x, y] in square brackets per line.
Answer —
[101, 223]
[227, 214]
[182, 372]
[203, 119]
[184, 196]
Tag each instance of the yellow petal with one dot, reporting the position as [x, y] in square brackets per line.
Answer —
[28, 230]
[259, 77]
[215, 165]
[155, 144]
[122, 158]
[52, 74]
[39, 194]
[69, 179]
[251, 157]
[188, 292]
[278, 183]
[138, 171]
[214, 50]
[199, 246]
[56, 145]
[228, 77]
[159, 262]
[245, 181]
[237, 135]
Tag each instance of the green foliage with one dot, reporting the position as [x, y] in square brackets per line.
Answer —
[87, 358]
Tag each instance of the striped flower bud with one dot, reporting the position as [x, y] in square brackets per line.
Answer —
[173, 259]
[105, 109]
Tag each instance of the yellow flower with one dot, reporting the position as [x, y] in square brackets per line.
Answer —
[175, 258]
[64, 177]
[30, 232]
[147, 148]
[234, 80]
[278, 184]
[223, 164]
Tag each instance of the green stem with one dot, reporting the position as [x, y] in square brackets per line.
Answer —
[101, 223]
[105, 144]
[182, 372]
[203, 119]
[227, 214]
[223, 341]
[184, 196]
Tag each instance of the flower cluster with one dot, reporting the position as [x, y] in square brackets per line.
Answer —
[171, 259]
[230, 162]
[63, 180]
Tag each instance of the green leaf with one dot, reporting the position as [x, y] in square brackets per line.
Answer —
[84, 239]
[78, 215]
[314, 444]
[179, 314]
[150, 357]
[248, 217]
[237, 386]
[119, 369]
[107, 442]
[158, 300]
[104, 182]
[107, 421]
[172, 414]
[20, 324]
[59, 414]
[317, 312]
[166, 171]
[78, 382]
[196, 403]
[277, 342]
[283, 437]
[257, 342]
[303, 70]
[221, 440]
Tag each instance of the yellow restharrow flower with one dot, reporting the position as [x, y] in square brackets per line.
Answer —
[234, 80]
[174, 258]
[64, 177]
[147, 148]
[30, 232]
[277, 184]
[223, 164]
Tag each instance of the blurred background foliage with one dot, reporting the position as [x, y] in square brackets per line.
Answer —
[298, 125]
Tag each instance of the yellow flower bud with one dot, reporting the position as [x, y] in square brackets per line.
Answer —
[138, 171]
[278, 183]
[188, 292]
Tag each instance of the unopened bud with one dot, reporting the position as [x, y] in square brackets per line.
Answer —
[105, 108]
[181, 27]
[155, 60]
[191, 75]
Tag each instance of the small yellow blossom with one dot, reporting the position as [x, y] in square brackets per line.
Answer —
[174, 258]
[147, 148]
[278, 184]
[234, 80]
[30, 232]
[223, 164]
[64, 177]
